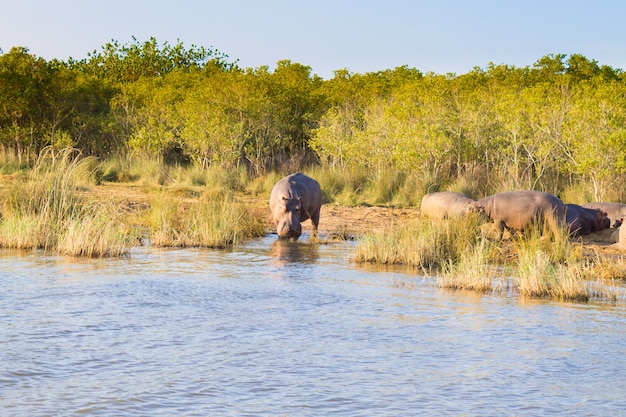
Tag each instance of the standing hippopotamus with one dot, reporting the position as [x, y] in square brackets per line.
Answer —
[614, 211]
[582, 220]
[519, 209]
[294, 199]
[443, 204]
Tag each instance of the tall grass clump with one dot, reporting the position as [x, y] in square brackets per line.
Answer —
[215, 220]
[538, 276]
[548, 265]
[549, 237]
[95, 233]
[49, 211]
[422, 242]
[473, 271]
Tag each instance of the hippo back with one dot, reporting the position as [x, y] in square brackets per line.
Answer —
[614, 211]
[444, 204]
[518, 209]
[583, 220]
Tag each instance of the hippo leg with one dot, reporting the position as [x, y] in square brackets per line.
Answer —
[500, 226]
[315, 221]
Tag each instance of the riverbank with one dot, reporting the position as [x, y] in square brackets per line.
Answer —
[336, 221]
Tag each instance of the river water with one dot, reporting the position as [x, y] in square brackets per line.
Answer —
[272, 328]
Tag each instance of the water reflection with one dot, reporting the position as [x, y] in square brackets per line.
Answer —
[285, 251]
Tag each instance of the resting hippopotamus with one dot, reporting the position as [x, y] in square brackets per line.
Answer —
[583, 220]
[444, 204]
[614, 211]
[294, 199]
[519, 209]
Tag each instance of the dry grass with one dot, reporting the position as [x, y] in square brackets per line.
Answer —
[216, 220]
[539, 277]
[48, 211]
[473, 271]
[423, 243]
[187, 207]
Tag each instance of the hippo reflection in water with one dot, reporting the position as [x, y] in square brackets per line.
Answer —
[285, 251]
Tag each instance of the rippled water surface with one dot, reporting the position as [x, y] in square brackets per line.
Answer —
[290, 329]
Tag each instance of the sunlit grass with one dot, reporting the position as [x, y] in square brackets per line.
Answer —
[216, 220]
[49, 212]
[542, 263]
[473, 271]
[538, 276]
[422, 242]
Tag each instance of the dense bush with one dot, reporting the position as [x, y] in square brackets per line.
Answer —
[546, 126]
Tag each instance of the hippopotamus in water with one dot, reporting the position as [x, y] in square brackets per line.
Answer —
[443, 204]
[519, 209]
[614, 211]
[582, 220]
[294, 199]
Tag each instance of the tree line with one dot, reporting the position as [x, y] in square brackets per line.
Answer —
[561, 117]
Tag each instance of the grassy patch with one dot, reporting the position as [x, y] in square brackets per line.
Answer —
[473, 271]
[423, 242]
[217, 219]
[49, 212]
[543, 263]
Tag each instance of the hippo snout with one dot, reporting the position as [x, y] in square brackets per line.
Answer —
[289, 230]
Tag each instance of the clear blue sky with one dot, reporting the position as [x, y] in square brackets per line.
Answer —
[361, 35]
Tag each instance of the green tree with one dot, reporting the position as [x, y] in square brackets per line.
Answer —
[23, 80]
[596, 136]
[131, 61]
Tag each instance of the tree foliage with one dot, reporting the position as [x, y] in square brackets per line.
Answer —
[561, 117]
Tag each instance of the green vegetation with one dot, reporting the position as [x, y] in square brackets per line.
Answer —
[548, 126]
[188, 122]
[422, 243]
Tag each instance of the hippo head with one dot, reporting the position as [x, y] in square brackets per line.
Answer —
[618, 222]
[602, 221]
[288, 215]
[475, 207]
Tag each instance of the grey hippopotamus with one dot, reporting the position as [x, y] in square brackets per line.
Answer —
[444, 204]
[614, 211]
[584, 220]
[517, 210]
[294, 199]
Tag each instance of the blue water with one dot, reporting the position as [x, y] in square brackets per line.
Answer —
[290, 329]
